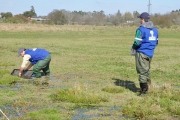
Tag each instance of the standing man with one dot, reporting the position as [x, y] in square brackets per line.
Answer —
[146, 39]
[38, 58]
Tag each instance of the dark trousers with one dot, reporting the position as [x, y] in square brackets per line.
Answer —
[42, 65]
[143, 67]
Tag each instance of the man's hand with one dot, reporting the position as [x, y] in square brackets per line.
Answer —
[132, 52]
[20, 74]
[21, 71]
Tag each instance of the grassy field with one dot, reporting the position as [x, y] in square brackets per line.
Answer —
[93, 75]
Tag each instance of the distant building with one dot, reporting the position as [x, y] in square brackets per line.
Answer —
[37, 19]
[129, 21]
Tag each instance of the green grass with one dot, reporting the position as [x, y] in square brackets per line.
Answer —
[45, 114]
[163, 101]
[5, 77]
[6, 95]
[96, 58]
[79, 96]
[113, 89]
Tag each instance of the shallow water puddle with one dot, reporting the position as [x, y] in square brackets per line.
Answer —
[109, 112]
[12, 112]
[99, 112]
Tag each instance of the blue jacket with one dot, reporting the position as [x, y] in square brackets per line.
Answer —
[37, 54]
[146, 39]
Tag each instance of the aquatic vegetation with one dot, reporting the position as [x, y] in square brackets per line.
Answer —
[162, 101]
[44, 114]
[78, 96]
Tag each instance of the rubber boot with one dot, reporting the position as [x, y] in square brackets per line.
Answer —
[144, 88]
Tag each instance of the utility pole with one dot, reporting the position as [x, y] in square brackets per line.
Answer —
[149, 5]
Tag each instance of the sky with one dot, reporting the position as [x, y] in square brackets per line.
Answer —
[44, 7]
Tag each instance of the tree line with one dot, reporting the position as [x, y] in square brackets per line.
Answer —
[62, 17]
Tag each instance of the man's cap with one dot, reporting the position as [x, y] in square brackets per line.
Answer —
[144, 15]
[20, 51]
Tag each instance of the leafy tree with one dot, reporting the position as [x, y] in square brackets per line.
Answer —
[57, 17]
[80, 12]
[118, 14]
[6, 15]
[162, 20]
[30, 13]
[32, 9]
[135, 14]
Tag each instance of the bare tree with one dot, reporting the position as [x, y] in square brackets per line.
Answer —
[99, 18]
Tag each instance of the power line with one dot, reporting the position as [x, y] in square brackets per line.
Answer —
[149, 5]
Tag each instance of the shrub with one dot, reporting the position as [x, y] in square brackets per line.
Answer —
[14, 20]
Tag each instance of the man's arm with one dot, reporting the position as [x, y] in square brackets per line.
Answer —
[20, 71]
[24, 63]
[137, 40]
[29, 67]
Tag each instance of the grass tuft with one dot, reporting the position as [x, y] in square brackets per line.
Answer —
[7, 78]
[162, 100]
[45, 114]
[78, 96]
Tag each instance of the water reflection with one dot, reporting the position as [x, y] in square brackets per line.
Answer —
[100, 112]
[11, 112]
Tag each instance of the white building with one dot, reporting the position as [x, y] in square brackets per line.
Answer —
[37, 19]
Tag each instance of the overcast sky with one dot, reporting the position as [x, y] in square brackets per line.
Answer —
[44, 7]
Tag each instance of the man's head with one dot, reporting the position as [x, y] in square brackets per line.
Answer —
[21, 52]
[144, 17]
